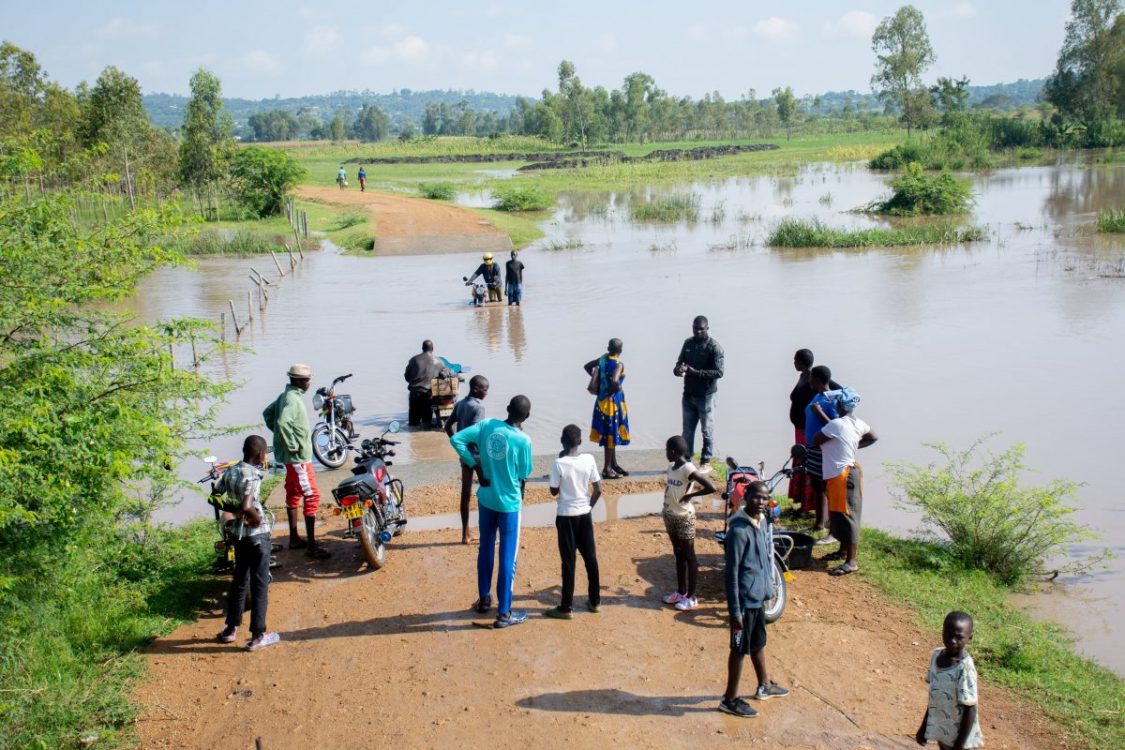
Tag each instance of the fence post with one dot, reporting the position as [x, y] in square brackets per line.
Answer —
[305, 225]
[292, 260]
[222, 326]
[297, 236]
[234, 319]
[249, 306]
[274, 256]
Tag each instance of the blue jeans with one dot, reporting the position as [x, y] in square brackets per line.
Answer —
[508, 527]
[698, 410]
[515, 293]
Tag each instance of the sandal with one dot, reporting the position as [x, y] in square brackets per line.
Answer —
[620, 471]
[316, 552]
[227, 635]
[610, 474]
[833, 557]
[843, 570]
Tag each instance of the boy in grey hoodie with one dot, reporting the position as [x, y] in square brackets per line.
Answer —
[748, 585]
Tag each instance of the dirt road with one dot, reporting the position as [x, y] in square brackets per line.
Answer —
[412, 226]
[393, 657]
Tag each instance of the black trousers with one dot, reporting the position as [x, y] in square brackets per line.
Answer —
[421, 409]
[576, 534]
[251, 573]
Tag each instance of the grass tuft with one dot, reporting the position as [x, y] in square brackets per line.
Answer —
[1111, 222]
[802, 233]
[438, 191]
[669, 208]
[514, 198]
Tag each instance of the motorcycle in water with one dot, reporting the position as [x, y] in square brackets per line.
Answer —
[334, 433]
[479, 290]
[371, 500]
[738, 477]
[225, 521]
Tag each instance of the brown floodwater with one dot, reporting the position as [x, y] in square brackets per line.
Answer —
[1019, 335]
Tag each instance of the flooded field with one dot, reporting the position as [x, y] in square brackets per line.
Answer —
[1018, 335]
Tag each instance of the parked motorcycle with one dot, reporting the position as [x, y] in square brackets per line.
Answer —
[334, 433]
[479, 291]
[738, 477]
[371, 500]
[225, 521]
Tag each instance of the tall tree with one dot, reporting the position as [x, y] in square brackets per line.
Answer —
[786, 108]
[206, 148]
[371, 124]
[1087, 82]
[903, 52]
[113, 114]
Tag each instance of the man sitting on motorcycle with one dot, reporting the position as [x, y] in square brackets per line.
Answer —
[490, 272]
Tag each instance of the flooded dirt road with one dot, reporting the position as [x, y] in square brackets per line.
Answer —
[1017, 335]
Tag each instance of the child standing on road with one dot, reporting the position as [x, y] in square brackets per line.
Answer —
[571, 477]
[679, 520]
[241, 484]
[746, 576]
[951, 713]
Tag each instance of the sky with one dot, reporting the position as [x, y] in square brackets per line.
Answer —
[279, 48]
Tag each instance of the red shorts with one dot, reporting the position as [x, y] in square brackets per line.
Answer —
[300, 488]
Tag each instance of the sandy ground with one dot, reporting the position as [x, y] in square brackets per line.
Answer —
[414, 226]
[393, 656]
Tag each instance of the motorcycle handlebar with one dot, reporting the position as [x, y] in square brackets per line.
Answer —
[342, 378]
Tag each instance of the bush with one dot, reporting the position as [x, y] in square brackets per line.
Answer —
[516, 198]
[991, 522]
[798, 233]
[919, 194]
[438, 191]
[262, 176]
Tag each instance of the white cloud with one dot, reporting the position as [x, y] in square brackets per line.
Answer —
[518, 41]
[855, 24]
[957, 12]
[607, 43]
[776, 29]
[411, 49]
[123, 28]
[261, 61]
[697, 33]
[480, 60]
[321, 39]
[392, 29]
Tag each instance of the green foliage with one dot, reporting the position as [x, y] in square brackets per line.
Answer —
[206, 148]
[518, 198]
[674, 207]
[1111, 221]
[274, 125]
[438, 191]
[786, 104]
[919, 194]
[801, 233]
[903, 52]
[992, 523]
[225, 242]
[261, 178]
[371, 124]
[1036, 660]
[1089, 79]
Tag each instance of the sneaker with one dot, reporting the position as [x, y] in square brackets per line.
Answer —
[483, 604]
[510, 619]
[555, 613]
[593, 608]
[262, 640]
[737, 707]
[672, 598]
[687, 604]
[772, 690]
[828, 539]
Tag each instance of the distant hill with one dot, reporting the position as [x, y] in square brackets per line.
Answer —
[406, 107]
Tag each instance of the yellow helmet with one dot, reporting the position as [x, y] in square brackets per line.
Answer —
[487, 257]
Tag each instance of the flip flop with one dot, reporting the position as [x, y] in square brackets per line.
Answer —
[223, 637]
[843, 570]
[610, 474]
[620, 471]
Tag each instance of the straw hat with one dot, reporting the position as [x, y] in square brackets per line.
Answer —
[299, 371]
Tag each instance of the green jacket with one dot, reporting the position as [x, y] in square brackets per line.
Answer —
[287, 419]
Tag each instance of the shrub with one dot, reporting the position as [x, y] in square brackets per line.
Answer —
[917, 193]
[992, 523]
[516, 198]
[799, 233]
[262, 176]
[675, 207]
[1111, 221]
[438, 191]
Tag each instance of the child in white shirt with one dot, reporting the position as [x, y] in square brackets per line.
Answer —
[572, 476]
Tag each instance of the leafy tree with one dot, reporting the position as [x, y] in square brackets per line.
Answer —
[275, 125]
[1089, 78]
[431, 120]
[113, 114]
[371, 124]
[261, 177]
[207, 145]
[786, 108]
[951, 95]
[903, 52]
[337, 128]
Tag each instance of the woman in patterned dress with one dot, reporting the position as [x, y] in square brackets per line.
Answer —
[610, 426]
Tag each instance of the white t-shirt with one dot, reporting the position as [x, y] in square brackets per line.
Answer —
[839, 452]
[572, 476]
[676, 487]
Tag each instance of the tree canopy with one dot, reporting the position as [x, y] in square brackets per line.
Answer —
[1089, 78]
[903, 52]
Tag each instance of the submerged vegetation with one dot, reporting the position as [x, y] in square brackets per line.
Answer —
[230, 242]
[516, 198]
[919, 194]
[674, 207]
[1111, 221]
[806, 233]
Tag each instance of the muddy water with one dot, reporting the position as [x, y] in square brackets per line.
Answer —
[1017, 335]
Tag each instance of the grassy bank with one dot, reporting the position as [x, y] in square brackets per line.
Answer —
[1034, 660]
[68, 664]
[802, 233]
[244, 240]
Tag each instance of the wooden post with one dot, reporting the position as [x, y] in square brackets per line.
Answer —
[222, 326]
[288, 211]
[234, 319]
[292, 260]
[297, 236]
[274, 256]
[171, 355]
[305, 225]
[249, 306]
[194, 356]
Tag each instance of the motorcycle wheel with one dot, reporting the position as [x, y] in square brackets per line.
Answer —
[775, 606]
[373, 550]
[330, 448]
[396, 492]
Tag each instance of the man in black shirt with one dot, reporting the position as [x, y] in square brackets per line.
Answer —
[513, 279]
[700, 364]
[490, 272]
[420, 370]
